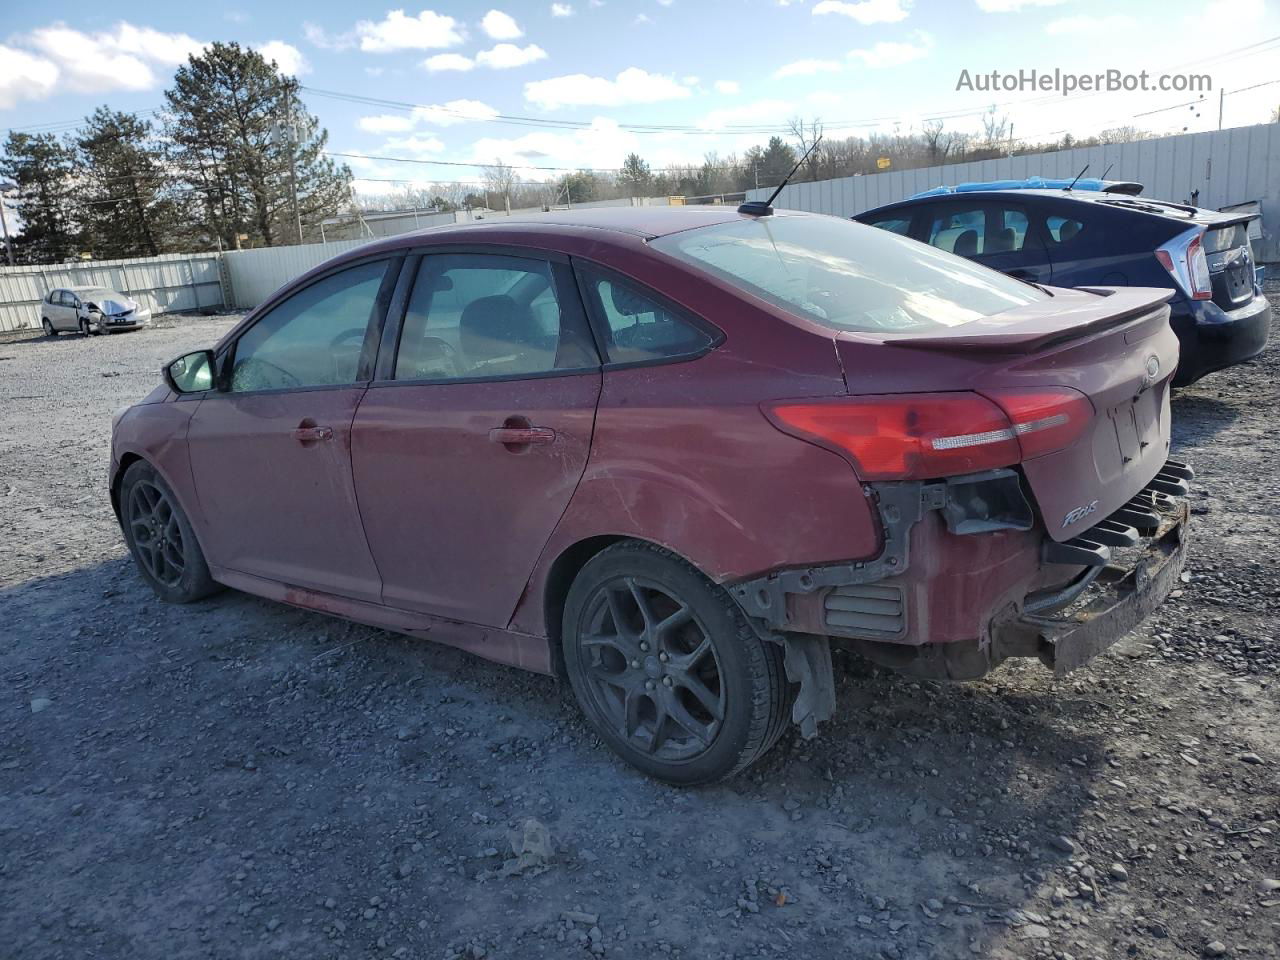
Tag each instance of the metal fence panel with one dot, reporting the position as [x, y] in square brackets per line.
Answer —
[1215, 169]
[256, 274]
[176, 282]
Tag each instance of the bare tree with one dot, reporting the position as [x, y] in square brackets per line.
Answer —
[936, 141]
[500, 179]
[807, 135]
[1124, 134]
[995, 127]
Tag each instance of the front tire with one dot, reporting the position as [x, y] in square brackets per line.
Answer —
[48, 327]
[666, 668]
[161, 539]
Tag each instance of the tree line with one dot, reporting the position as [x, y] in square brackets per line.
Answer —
[719, 176]
[235, 160]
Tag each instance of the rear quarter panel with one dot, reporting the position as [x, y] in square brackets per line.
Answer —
[683, 457]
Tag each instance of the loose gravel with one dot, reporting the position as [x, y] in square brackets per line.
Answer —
[240, 779]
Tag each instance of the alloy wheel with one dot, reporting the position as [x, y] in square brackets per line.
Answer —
[156, 533]
[652, 669]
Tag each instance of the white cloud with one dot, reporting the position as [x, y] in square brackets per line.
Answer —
[599, 145]
[1013, 6]
[891, 54]
[448, 61]
[455, 111]
[414, 146]
[428, 30]
[869, 11]
[807, 68]
[632, 85]
[642, 18]
[506, 55]
[728, 86]
[561, 10]
[824, 98]
[755, 113]
[317, 36]
[1091, 25]
[118, 59]
[665, 3]
[289, 59]
[24, 76]
[500, 26]
[386, 123]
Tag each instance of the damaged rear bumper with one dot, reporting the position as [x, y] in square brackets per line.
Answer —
[1120, 597]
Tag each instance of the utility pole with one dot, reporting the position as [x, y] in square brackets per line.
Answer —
[4, 221]
[289, 133]
[1222, 98]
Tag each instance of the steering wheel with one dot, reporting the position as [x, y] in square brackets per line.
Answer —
[337, 347]
[435, 355]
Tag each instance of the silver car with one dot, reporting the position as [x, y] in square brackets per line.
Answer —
[90, 310]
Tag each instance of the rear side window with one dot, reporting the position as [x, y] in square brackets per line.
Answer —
[639, 327]
[1062, 229]
[312, 338]
[979, 230]
[898, 225]
[846, 275]
[479, 316]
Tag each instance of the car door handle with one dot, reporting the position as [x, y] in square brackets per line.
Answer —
[310, 433]
[521, 436]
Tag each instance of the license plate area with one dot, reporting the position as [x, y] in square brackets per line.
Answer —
[1137, 424]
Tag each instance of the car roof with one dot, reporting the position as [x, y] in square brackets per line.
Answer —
[646, 222]
[1165, 209]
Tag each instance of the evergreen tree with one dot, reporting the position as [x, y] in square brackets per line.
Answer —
[776, 161]
[635, 177]
[123, 192]
[242, 137]
[41, 165]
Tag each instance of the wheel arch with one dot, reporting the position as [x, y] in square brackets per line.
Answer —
[565, 569]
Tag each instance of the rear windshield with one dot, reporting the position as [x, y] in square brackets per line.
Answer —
[1217, 239]
[848, 276]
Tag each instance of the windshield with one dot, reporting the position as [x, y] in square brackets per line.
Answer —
[848, 276]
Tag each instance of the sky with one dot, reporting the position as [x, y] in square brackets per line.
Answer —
[545, 86]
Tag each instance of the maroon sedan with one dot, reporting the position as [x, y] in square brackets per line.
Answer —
[675, 455]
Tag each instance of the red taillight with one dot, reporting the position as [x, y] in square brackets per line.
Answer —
[919, 436]
[1184, 258]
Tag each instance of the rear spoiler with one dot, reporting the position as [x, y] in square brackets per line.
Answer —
[1044, 322]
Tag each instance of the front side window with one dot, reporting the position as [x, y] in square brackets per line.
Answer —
[477, 316]
[639, 327]
[314, 337]
[846, 275]
[899, 225]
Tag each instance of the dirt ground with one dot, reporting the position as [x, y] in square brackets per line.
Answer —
[239, 779]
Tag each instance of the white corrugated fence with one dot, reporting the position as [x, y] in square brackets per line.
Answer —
[1218, 169]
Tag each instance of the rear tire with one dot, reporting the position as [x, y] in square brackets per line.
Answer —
[84, 327]
[160, 538]
[666, 668]
[48, 327]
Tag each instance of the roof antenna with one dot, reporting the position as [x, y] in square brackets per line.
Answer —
[1108, 170]
[1077, 179]
[764, 208]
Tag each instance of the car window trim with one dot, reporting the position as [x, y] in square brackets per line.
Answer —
[567, 294]
[602, 333]
[225, 356]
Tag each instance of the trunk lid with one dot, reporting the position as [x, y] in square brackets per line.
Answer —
[1114, 346]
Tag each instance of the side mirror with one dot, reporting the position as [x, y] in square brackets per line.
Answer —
[191, 372]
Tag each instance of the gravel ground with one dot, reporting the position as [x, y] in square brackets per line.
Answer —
[241, 779]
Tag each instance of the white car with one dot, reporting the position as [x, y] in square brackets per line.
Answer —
[90, 310]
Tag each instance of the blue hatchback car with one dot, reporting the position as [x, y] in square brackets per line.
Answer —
[1105, 236]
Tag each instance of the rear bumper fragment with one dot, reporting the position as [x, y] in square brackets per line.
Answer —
[1128, 595]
